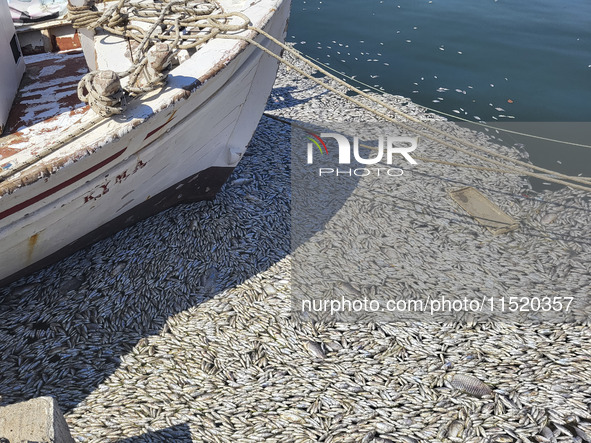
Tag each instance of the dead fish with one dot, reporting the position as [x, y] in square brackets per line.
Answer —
[315, 349]
[241, 181]
[20, 290]
[549, 218]
[470, 385]
[70, 285]
[456, 428]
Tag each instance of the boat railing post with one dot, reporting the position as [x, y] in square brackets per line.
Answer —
[86, 36]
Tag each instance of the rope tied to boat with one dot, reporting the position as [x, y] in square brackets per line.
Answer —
[87, 16]
[159, 31]
[102, 91]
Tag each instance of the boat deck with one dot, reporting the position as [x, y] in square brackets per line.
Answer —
[47, 91]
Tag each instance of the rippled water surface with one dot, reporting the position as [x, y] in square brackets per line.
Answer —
[483, 60]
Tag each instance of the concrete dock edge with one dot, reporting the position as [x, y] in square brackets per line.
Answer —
[38, 420]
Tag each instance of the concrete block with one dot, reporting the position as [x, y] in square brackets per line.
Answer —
[34, 421]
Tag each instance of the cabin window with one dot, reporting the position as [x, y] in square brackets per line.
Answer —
[16, 52]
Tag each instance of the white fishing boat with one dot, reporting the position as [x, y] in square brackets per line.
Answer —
[168, 131]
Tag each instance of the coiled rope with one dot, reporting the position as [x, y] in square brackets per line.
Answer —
[164, 33]
[177, 25]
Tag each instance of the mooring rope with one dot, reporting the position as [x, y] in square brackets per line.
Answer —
[188, 24]
[562, 179]
[452, 116]
[434, 160]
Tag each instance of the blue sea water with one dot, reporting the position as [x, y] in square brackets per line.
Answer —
[483, 60]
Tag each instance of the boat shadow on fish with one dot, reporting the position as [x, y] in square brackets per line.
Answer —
[283, 97]
[64, 329]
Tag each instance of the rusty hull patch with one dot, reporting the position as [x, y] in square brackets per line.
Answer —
[65, 42]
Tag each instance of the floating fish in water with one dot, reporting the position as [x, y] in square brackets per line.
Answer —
[500, 109]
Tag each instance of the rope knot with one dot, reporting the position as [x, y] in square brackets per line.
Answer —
[87, 15]
[153, 70]
[102, 91]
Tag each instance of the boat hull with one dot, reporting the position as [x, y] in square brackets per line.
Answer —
[184, 154]
[200, 186]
